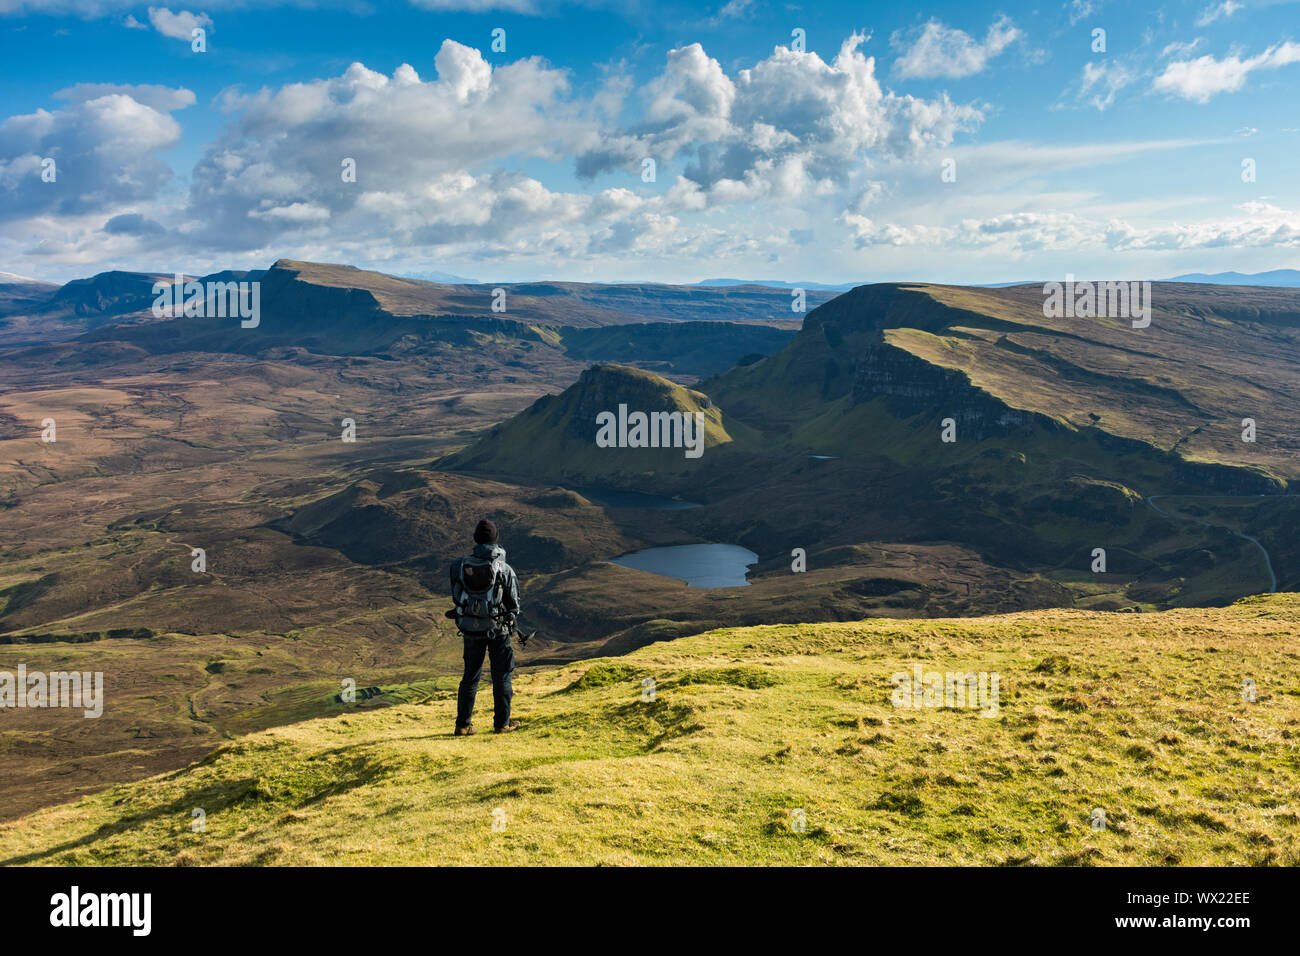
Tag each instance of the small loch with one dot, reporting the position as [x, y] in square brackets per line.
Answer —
[699, 565]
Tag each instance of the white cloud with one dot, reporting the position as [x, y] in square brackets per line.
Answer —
[105, 148]
[479, 6]
[1200, 79]
[1180, 48]
[1102, 82]
[418, 146]
[437, 159]
[938, 50]
[179, 25]
[1080, 9]
[1257, 225]
[298, 212]
[1217, 11]
[793, 123]
[164, 99]
[734, 9]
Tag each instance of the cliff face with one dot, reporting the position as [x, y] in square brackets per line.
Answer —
[288, 300]
[990, 359]
[913, 386]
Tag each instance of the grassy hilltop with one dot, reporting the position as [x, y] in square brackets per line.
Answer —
[1139, 715]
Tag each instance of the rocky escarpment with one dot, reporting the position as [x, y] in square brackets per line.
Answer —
[288, 299]
[1230, 479]
[913, 386]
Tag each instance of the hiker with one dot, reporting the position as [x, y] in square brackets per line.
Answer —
[486, 593]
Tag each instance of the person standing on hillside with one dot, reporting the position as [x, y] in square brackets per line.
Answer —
[486, 593]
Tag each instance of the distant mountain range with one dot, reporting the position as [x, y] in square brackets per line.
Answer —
[330, 306]
[118, 293]
[1277, 278]
[1286, 278]
[1289, 278]
[772, 283]
[19, 292]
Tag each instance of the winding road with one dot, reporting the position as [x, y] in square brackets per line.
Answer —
[1268, 562]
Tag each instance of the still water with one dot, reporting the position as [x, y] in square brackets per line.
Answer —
[699, 565]
[635, 499]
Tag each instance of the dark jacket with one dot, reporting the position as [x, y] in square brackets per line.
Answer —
[509, 594]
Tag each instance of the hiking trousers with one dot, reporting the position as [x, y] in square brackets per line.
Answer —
[501, 654]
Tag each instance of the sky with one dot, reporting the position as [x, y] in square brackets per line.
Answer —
[512, 140]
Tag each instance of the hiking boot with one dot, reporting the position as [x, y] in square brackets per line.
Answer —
[508, 726]
[465, 731]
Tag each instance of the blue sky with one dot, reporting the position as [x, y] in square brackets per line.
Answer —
[824, 163]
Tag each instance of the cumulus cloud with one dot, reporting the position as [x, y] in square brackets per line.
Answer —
[105, 147]
[416, 145]
[133, 224]
[179, 25]
[790, 125]
[164, 99]
[1200, 79]
[939, 51]
[437, 159]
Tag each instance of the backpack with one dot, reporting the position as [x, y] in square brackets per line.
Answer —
[482, 589]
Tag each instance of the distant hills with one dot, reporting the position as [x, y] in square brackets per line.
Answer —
[819, 286]
[32, 311]
[1289, 278]
[336, 308]
[18, 293]
[680, 331]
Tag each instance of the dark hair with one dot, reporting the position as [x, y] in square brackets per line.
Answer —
[485, 532]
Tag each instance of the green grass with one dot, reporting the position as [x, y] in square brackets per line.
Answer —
[1139, 715]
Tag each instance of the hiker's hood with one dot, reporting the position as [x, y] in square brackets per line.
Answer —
[489, 552]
